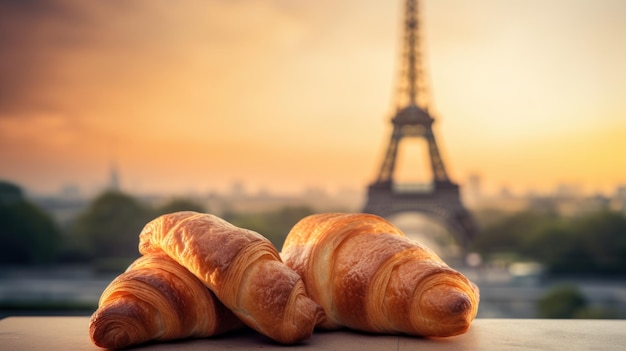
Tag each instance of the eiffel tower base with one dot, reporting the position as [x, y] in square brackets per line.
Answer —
[442, 204]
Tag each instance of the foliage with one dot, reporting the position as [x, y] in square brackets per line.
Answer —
[594, 243]
[179, 204]
[567, 301]
[10, 193]
[603, 236]
[107, 232]
[561, 302]
[28, 234]
[274, 225]
[590, 312]
[509, 233]
[110, 227]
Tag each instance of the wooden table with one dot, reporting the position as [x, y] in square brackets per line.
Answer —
[70, 333]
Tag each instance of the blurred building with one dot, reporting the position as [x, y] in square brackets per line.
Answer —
[618, 201]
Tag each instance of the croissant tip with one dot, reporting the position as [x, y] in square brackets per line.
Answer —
[459, 304]
[111, 338]
[451, 307]
[311, 314]
[110, 328]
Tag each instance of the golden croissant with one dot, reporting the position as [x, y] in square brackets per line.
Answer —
[157, 299]
[241, 267]
[368, 276]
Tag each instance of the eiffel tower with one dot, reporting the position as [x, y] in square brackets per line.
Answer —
[440, 200]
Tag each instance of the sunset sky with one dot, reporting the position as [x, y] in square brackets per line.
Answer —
[283, 94]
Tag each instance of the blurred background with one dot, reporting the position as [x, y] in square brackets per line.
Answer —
[262, 112]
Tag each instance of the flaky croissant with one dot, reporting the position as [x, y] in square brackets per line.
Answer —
[368, 276]
[241, 267]
[157, 299]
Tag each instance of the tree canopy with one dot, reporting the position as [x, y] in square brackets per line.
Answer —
[28, 234]
[273, 224]
[179, 204]
[110, 226]
[594, 243]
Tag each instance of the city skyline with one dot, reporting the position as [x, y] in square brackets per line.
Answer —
[285, 96]
[472, 190]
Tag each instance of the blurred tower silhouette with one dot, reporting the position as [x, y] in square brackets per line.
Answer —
[441, 199]
[114, 179]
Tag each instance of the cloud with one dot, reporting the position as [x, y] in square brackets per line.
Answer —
[55, 53]
[32, 34]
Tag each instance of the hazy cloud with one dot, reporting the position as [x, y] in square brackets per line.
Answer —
[32, 33]
[306, 78]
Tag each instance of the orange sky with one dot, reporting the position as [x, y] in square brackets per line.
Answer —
[284, 95]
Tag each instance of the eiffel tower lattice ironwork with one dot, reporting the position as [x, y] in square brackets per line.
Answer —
[441, 200]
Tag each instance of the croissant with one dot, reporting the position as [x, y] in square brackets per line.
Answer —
[241, 267]
[368, 276]
[157, 299]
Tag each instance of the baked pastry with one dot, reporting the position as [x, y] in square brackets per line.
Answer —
[157, 299]
[241, 267]
[368, 276]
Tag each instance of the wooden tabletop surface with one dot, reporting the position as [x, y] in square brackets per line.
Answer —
[70, 333]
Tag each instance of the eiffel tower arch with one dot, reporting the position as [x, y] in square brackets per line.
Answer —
[441, 199]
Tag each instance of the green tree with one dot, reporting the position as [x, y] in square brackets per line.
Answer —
[558, 248]
[110, 226]
[560, 302]
[282, 220]
[28, 234]
[591, 244]
[567, 301]
[510, 234]
[603, 237]
[274, 224]
[179, 204]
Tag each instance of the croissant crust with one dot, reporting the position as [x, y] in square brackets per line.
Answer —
[157, 299]
[368, 276]
[241, 267]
